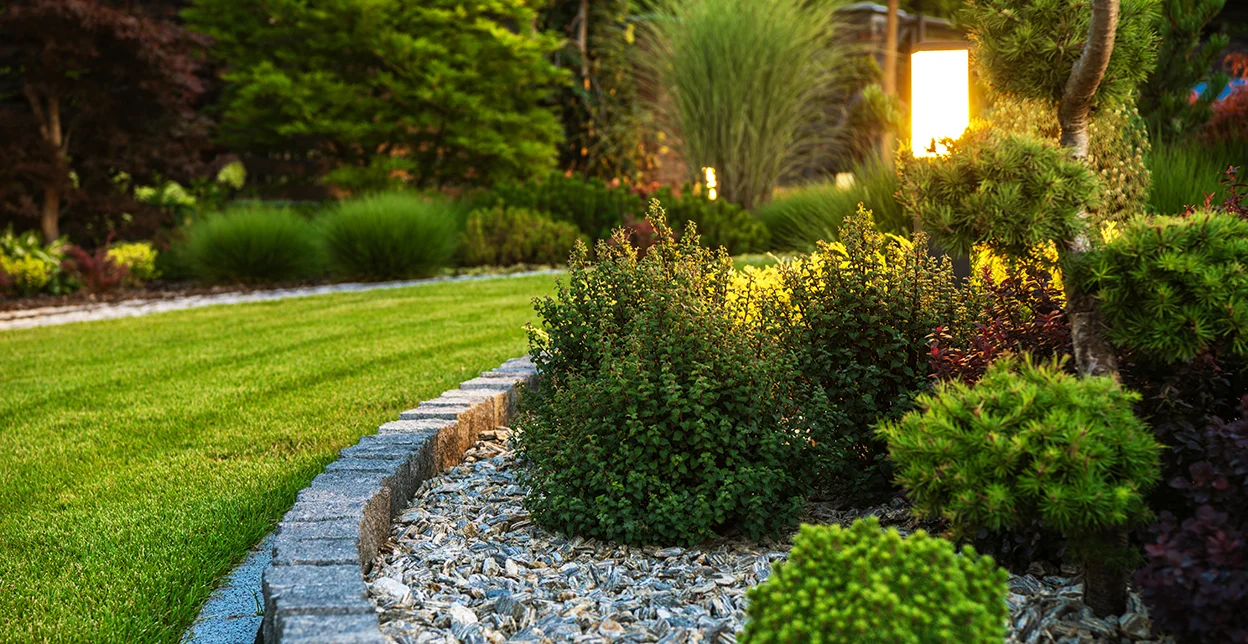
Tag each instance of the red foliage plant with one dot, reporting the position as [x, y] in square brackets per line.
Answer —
[97, 272]
[1021, 313]
[1230, 115]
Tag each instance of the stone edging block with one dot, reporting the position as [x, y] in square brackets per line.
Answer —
[314, 589]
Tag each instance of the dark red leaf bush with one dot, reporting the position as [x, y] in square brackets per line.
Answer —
[97, 272]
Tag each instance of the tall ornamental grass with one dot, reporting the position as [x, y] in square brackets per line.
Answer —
[1183, 173]
[253, 244]
[749, 86]
[393, 235]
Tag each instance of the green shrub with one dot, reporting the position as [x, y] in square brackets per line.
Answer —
[1173, 287]
[254, 244]
[858, 315]
[504, 236]
[661, 416]
[592, 205]
[138, 259]
[863, 584]
[754, 87]
[1029, 441]
[1028, 48]
[1184, 173]
[814, 213]
[392, 235]
[1010, 192]
[720, 222]
[32, 267]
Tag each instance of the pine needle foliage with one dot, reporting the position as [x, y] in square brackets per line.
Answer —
[661, 416]
[864, 584]
[1028, 441]
[1009, 192]
[1028, 47]
[1174, 287]
[856, 318]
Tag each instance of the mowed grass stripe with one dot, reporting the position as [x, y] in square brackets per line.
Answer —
[141, 458]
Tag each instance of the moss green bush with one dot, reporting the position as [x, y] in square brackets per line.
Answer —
[504, 236]
[253, 245]
[661, 416]
[1027, 441]
[1028, 47]
[394, 235]
[863, 584]
[138, 259]
[856, 318]
[1173, 287]
[1009, 192]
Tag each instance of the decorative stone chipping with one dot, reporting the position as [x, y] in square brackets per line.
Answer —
[314, 588]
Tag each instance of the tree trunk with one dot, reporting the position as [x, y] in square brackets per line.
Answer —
[49, 119]
[50, 218]
[1105, 579]
[890, 77]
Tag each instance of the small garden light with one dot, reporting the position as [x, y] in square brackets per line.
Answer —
[711, 183]
[939, 95]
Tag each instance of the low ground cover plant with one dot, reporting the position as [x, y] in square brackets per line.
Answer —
[254, 244]
[659, 418]
[502, 236]
[389, 236]
[861, 583]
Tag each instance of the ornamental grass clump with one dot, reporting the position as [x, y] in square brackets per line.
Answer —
[1030, 441]
[1174, 287]
[390, 236]
[661, 418]
[864, 584]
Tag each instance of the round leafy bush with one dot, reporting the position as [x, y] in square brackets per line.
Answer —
[253, 245]
[661, 418]
[1009, 192]
[865, 584]
[504, 236]
[1173, 287]
[138, 259]
[392, 235]
[855, 320]
[1027, 441]
[595, 207]
[1028, 47]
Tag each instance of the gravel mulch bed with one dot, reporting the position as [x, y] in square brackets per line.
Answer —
[466, 564]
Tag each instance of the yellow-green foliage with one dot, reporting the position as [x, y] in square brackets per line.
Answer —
[1026, 442]
[139, 259]
[1008, 191]
[28, 274]
[863, 584]
[1172, 287]
[1117, 146]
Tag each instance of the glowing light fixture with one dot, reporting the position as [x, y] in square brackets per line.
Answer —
[940, 90]
[711, 183]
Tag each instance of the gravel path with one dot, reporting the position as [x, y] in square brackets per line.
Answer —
[49, 316]
[466, 564]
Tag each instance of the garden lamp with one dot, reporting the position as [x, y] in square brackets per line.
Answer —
[940, 90]
[711, 183]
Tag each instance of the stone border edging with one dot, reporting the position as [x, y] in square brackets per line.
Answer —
[314, 589]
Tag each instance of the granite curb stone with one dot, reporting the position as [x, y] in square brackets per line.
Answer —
[313, 590]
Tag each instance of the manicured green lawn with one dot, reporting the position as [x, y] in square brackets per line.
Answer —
[141, 458]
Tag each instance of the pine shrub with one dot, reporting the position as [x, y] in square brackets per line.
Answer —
[1027, 441]
[1010, 192]
[864, 584]
[1173, 287]
[504, 236]
[660, 417]
[858, 315]
[390, 236]
[253, 245]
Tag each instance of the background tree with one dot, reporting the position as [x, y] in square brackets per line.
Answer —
[431, 93]
[1185, 59]
[91, 93]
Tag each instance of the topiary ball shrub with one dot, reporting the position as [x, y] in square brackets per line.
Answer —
[504, 236]
[661, 418]
[253, 245]
[1009, 192]
[390, 236]
[856, 319]
[1028, 440]
[864, 584]
[1174, 287]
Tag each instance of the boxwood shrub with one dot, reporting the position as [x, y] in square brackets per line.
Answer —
[661, 417]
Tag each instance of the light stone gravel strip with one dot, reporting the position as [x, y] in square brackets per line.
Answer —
[50, 316]
[314, 591]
